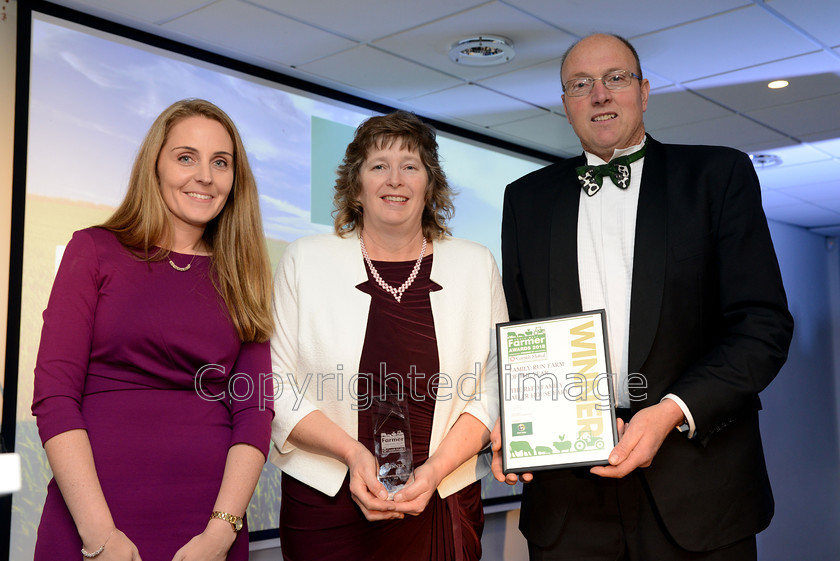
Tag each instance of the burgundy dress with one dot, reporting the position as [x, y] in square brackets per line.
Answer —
[314, 526]
[140, 356]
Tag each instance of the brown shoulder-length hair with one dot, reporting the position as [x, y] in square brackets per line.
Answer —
[235, 238]
[381, 132]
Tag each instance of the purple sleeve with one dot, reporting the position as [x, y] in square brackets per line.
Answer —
[66, 337]
[252, 413]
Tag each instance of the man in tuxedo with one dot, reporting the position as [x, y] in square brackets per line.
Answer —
[679, 255]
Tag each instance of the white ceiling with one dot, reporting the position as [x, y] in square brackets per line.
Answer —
[708, 63]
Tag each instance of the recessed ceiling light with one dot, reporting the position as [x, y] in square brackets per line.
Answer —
[765, 160]
[777, 84]
[482, 50]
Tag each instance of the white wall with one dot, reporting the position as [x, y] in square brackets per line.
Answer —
[799, 422]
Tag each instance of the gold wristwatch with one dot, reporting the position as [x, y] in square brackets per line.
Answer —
[235, 521]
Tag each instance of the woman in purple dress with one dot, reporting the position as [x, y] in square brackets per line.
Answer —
[390, 298]
[152, 355]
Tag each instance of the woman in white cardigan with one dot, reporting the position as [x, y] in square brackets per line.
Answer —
[390, 295]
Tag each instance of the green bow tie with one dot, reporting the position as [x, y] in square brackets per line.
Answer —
[592, 177]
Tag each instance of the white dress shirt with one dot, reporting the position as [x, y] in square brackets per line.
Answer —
[605, 243]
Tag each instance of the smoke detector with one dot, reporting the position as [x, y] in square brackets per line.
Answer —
[765, 160]
[483, 50]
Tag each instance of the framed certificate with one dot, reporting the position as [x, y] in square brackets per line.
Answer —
[556, 393]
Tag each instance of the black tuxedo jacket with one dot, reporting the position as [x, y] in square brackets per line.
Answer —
[708, 322]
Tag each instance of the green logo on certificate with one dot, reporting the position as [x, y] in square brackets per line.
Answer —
[522, 429]
[528, 342]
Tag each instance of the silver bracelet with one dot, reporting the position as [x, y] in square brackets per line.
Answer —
[92, 554]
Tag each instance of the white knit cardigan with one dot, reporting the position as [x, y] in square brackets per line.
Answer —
[320, 321]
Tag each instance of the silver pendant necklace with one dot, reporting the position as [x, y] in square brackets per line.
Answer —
[397, 293]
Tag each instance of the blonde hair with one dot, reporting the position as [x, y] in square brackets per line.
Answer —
[239, 257]
[380, 132]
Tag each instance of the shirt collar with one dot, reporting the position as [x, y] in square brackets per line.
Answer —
[593, 160]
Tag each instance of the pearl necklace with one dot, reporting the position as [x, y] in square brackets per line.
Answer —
[182, 269]
[397, 293]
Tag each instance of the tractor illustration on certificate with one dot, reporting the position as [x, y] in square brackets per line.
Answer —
[586, 441]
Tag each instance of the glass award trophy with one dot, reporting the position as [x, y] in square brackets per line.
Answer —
[392, 441]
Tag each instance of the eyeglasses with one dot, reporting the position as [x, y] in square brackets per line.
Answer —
[617, 80]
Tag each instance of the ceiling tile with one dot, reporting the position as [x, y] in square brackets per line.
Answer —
[257, 32]
[831, 204]
[552, 132]
[775, 199]
[831, 147]
[810, 76]
[734, 131]
[719, 44]
[148, 11]
[826, 135]
[657, 82]
[830, 231]
[819, 17]
[799, 176]
[770, 145]
[820, 194]
[381, 74]
[533, 40]
[798, 154]
[367, 20]
[804, 214]
[538, 84]
[671, 107]
[582, 17]
[475, 104]
[811, 117]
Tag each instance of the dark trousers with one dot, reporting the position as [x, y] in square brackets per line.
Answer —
[614, 520]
